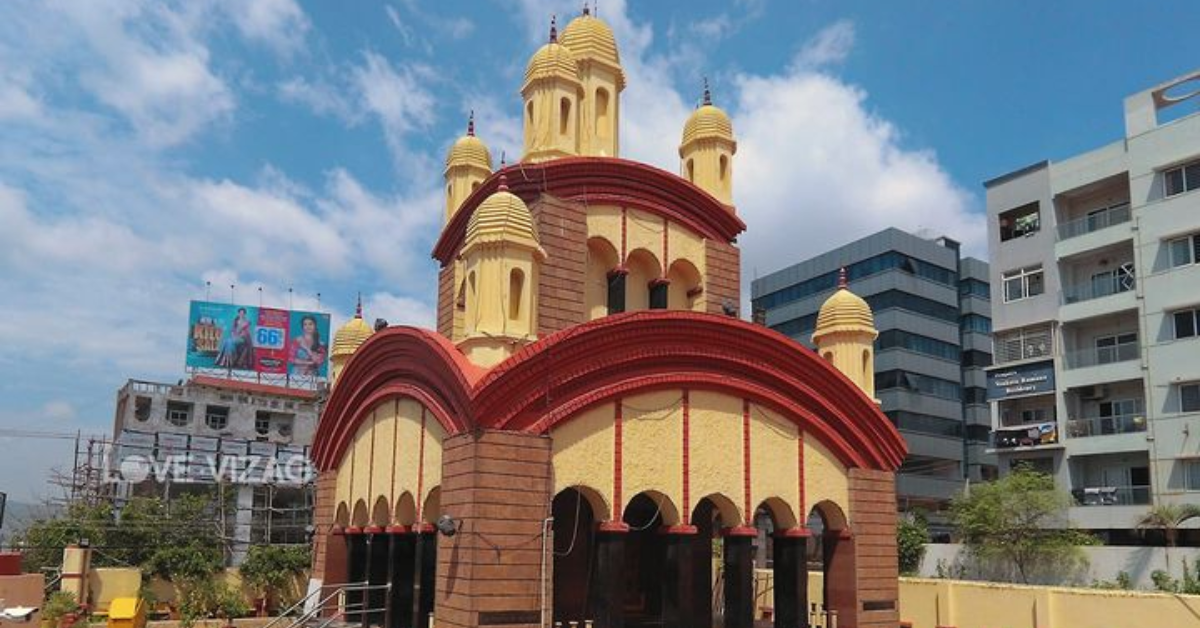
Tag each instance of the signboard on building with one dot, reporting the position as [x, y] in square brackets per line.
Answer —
[258, 339]
[180, 458]
[1019, 381]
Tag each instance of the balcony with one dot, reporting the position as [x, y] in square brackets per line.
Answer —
[1104, 294]
[1112, 496]
[1106, 425]
[1028, 436]
[1095, 221]
[1097, 356]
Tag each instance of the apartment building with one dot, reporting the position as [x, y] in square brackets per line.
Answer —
[932, 309]
[1096, 315]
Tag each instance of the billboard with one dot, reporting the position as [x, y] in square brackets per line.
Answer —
[258, 339]
[1018, 381]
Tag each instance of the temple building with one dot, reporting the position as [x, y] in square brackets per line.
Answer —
[591, 433]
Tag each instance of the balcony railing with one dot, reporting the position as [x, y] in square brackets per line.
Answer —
[1029, 435]
[1096, 356]
[1098, 287]
[1096, 221]
[1112, 496]
[1106, 425]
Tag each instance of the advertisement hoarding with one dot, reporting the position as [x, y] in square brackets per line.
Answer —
[258, 339]
[1020, 381]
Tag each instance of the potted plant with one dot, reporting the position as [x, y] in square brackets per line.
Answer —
[270, 569]
[60, 610]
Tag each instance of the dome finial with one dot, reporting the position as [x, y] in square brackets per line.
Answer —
[503, 187]
[503, 160]
[707, 93]
[553, 29]
[843, 283]
[586, 10]
[471, 124]
[358, 308]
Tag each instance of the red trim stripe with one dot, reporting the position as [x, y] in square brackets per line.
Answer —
[687, 455]
[802, 516]
[395, 452]
[617, 470]
[746, 457]
[420, 501]
[371, 470]
[624, 236]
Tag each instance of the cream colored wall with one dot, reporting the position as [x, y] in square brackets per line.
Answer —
[606, 143]
[652, 448]
[490, 332]
[461, 181]
[930, 603]
[652, 454]
[543, 140]
[825, 477]
[847, 350]
[396, 426]
[716, 448]
[706, 158]
[774, 462]
[583, 453]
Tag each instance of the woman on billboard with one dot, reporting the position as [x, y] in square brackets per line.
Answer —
[236, 350]
[308, 353]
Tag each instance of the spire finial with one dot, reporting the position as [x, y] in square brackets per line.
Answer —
[358, 308]
[843, 283]
[471, 124]
[707, 93]
[503, 160]
[553, 29]
[503, 187]
[586, 9]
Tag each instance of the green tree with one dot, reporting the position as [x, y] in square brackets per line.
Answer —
[270, 569]
[912, 534]
[1019, 523]
[1168, 518]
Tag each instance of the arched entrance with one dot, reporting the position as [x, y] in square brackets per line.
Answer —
[780, 550]
[831, 553]
[646, 558]
[574, 556]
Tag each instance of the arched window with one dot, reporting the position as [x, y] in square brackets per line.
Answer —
[724, 167]
[866, 365]
[643, 269]
[564, 115]
[475, 186]
[529, 113]
[516, 285]
[828, 355]
[603, 295]
[602, 115]
[691, 171]
[684, 289]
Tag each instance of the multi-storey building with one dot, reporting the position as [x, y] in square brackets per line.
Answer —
[932, 309]
[1097, 367]
[250, 439]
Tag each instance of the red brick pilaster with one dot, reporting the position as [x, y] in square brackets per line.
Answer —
[723, 276]
[562, 231]
[445, 302]
[873, 519]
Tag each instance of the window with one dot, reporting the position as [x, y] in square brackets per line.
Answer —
[1116, 348]
[659, 294]
[724, 167]
[602, 113]
[616, 292]
[1185, 251]
[976, 323]
[1189, 398]
[262, 423]
[691, 171]
[975, 288]
[1182, 179]
[1019, 222]
[179, 414]
[141, 408]
[516, 284]
[916, 382]
[1022, 344]
[1191, 472]
[1024, 283]
[974, 395]
[925, 423]
[1118, 280]
[891, 260]
[1187, 322]
[895, 338]
[284, 427]
[564, 116]
[976, 358]
[216, 417]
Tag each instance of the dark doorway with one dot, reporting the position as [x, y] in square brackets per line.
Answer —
[574, 556]
[645, 558]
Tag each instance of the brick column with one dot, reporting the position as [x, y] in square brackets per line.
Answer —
[608, 589]
[873, 518]
[497, 484]
[791, 578]
[722, 267]
[739, 577]
[678, 588]
[562, 232]
[324, 511]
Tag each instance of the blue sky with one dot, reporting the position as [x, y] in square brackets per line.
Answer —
[146, 148]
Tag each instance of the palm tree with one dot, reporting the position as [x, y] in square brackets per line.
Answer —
[1168, 518]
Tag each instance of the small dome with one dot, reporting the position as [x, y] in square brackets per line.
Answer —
[844, 312]
[351, 336]
[708, 121]
[502, 216]
[589, 37]
[469, 150]
[552, 60]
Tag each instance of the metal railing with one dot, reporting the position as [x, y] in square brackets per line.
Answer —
[1096, 221]
[1097, 288]
[331, 595]
[1112, 496]
[1095, 356]
[1085, 427]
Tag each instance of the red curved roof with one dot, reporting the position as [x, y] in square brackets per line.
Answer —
[607, 180]
[553, 379]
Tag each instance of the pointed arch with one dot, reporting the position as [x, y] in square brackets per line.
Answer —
[360, 517]
[405, 513]
[380, 512]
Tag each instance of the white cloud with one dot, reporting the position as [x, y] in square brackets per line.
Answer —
[829, 47]
[320, 97]
[399, 310]
[398, 97]
[58, 410]
[280, 24]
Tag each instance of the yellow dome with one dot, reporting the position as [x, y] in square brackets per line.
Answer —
[469, 150]
[844, 312]
[589, 37]
[553, 60]
[707, 122]
[351, 336]
[502, 217]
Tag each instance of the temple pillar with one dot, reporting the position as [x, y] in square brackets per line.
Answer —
[791, 578]
[678, 589]
[739, 577]
[608, 592]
